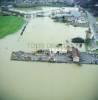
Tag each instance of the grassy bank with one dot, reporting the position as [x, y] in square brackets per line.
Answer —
[10, 24]
[97, 19]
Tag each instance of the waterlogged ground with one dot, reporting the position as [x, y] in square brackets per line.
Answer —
[44, 81]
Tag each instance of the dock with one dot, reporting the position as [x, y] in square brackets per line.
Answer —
[85, 58]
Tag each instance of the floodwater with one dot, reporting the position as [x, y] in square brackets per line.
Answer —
[44, 81]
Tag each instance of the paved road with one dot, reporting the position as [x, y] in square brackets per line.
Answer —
[92, 25]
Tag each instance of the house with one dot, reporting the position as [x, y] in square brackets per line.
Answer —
[75, 54]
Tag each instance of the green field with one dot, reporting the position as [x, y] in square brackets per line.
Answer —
[10, 24]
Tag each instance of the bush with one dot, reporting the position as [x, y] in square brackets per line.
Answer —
[87, 41]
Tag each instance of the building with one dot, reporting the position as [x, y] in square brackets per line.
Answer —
[75, 55]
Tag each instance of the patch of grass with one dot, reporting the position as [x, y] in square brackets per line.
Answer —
[97, 19]
[10, 24]
[97, 43]
[96, 51]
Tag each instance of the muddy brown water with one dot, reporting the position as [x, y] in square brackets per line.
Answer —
[44, 81]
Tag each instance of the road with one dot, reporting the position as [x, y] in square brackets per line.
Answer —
[92, 25]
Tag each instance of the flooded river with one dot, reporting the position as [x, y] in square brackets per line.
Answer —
[44, 81]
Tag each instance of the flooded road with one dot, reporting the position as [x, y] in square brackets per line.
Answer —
[44, 81]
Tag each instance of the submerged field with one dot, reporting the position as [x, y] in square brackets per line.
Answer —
[10, 24]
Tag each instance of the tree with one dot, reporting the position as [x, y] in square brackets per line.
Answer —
[78, 40]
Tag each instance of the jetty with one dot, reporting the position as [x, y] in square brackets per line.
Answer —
[44, 56]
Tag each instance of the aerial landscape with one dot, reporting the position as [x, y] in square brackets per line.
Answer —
[48, 50]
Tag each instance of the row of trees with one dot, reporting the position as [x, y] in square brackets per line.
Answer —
[86, 3]
[89, 5]
[30, 3]
[6, 1]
